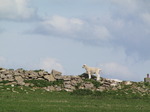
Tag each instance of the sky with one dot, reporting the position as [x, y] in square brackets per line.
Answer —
[113, 35]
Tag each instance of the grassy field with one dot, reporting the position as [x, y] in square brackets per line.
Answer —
[29, 100]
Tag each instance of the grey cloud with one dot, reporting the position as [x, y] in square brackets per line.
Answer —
[129, 33]
[74, 28]
[124, 25]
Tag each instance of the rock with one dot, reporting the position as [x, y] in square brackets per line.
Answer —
[67, 82]
[73, 82]
[140, 89]
[41, 73]
[69, 86]
[101, 89]
[19, 80]
[107, 83]
[114, 88]
[114, 84]
[20, 70]
[58, 77]
[49, 77]
[88, 85]
[68, 90]
[127, 83]
[46, 88]
[119, 87]
[67, 78]
[27, 84]
[6, 72]
[58, 88]
[33, 76]
[56, 74]
[11, 79]
[2, 76]
[77, 78]
[2, 70]
[16, 74]
[9, 75]
[8, 83]
[40, 79]
[50, 88]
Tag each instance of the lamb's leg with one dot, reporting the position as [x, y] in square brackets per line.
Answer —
[98, 77]
[89, 75]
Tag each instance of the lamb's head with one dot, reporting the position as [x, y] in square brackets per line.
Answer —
[84, 66]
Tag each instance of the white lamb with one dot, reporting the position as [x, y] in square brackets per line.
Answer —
[92, 70]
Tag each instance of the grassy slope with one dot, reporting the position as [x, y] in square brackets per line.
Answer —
[40, 101]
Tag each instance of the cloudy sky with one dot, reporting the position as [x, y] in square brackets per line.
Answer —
[113, 35]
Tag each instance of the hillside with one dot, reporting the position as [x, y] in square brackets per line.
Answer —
[54, 81]
[40, 91]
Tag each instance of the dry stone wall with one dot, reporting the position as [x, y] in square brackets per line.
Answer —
[68, 83]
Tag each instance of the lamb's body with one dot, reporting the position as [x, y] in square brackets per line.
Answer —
[92, 70]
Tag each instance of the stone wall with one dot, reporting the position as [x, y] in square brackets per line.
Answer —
[68, 83]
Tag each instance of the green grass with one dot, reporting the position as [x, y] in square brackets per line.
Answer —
[4, 82]
[25, 99]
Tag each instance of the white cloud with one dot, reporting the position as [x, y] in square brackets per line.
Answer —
[63, 25]
[51, 63]
[16, 10]
[73, 28]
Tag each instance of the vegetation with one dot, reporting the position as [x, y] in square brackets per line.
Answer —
[4, 82]
[120, 94]
[38, 70]
[26, 99]
[82, 92]
[147, 84]
[16, 98]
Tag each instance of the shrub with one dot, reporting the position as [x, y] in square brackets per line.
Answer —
[11, 69]
[58, 82]
[38, 70]
[96, 83]
[146, 83]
